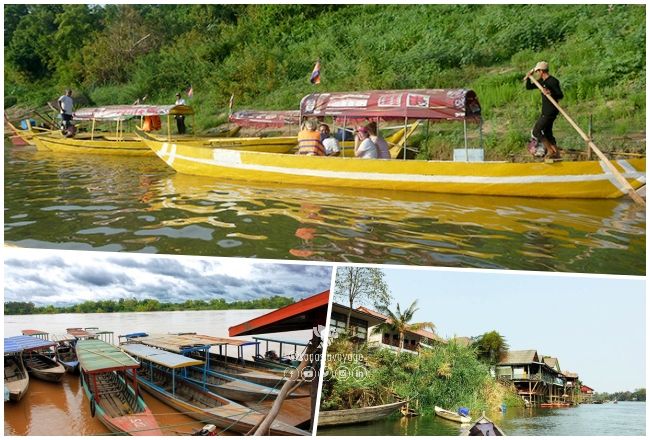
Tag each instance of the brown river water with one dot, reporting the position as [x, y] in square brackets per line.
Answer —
[63, 409]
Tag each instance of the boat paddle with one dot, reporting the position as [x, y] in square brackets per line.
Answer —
[630, 190]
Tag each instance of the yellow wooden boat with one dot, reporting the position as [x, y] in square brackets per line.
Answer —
[586, 179]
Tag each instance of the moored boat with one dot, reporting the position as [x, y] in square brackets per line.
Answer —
[16, 377]
[357, 415]
[236, 389]
[38, 359]
[451, 416]
[113, 398]
[483, 427]
[162, 375]
[65, 352]
[581, 179]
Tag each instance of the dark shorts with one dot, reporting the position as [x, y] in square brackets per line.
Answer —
[543, 128]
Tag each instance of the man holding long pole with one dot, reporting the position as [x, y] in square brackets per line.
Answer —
[543, 129]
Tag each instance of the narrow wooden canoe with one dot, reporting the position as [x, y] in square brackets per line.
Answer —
[357, 415]
[483, 427]
[112, 399]
[129, 146]
[265, 377]
[67, 356]
[586, 179]
[236, 389]
[191, 399]
[43, 367]
[452, 416]
[16, 377]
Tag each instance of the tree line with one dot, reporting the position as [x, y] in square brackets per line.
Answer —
[144, 305]
[637, 395]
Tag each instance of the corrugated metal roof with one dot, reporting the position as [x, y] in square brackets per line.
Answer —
[160, 357]
[15, 344]
[97, 356]
[31, 332]
[519, 357]
[552, 362]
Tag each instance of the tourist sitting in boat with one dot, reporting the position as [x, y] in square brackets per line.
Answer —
[309, 143]
[380, 142]
[330, 143]
[364, 147]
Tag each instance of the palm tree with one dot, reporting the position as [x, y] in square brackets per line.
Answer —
[399, 322]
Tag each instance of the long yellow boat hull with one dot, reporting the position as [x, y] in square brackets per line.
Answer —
[587, 179]
[83, 145]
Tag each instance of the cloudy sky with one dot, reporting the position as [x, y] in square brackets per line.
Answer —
[67, 277]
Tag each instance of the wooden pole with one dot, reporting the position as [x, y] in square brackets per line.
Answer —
[630, 191]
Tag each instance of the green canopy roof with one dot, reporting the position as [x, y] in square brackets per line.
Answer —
[96, 356]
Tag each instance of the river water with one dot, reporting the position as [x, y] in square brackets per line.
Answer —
[88, 202]
[624, 418]
[63, 409]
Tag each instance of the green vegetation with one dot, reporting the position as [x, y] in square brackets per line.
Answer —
[145, 305]
[448, 375]
[361, 285]
[623, 396]
[490, 347]
[114, 54]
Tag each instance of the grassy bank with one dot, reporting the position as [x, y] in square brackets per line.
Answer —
[264, 54]
[447, 375]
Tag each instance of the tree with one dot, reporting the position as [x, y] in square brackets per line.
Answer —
[490, 347]
[400, 322]
[359, 285]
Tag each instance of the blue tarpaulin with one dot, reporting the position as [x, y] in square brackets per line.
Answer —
[16, 344]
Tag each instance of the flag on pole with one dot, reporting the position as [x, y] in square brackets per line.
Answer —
[315, 74]
[190, 91]
[231, 103]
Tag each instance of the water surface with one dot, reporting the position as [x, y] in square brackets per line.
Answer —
[624, 418]
[125, 204]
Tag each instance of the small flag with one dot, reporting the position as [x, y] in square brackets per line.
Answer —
[190, 92]
[231, 102]
[315, 74]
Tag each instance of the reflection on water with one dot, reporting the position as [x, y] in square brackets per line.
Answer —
[63, 409]
[624, 418]
[139, 205]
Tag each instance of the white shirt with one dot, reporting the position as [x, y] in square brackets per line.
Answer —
[65, 102]
[331, 146]
[367, 150]
[382, 147]
[180, 101]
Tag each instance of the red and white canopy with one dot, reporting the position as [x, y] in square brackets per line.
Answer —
[121, 112]
[435, 104]
[265, 118]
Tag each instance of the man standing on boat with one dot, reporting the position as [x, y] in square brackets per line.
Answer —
[543, 129]
[65, 105]
[180, 119]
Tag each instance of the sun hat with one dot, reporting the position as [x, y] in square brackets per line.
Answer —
[542, 65]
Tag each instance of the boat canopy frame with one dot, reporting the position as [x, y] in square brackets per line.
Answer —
[378, 105]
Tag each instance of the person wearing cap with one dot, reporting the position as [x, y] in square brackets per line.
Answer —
[330, 143]
[180, 119]
[309, 140]
[65, 105]
[543, 129]
[364, 147]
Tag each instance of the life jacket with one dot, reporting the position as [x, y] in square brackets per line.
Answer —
[151, 123]
[309, 143]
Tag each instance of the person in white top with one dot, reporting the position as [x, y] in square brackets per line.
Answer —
[180, 119]
[66, 105]
[330, 143]
[364, 148]
[380, 142]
